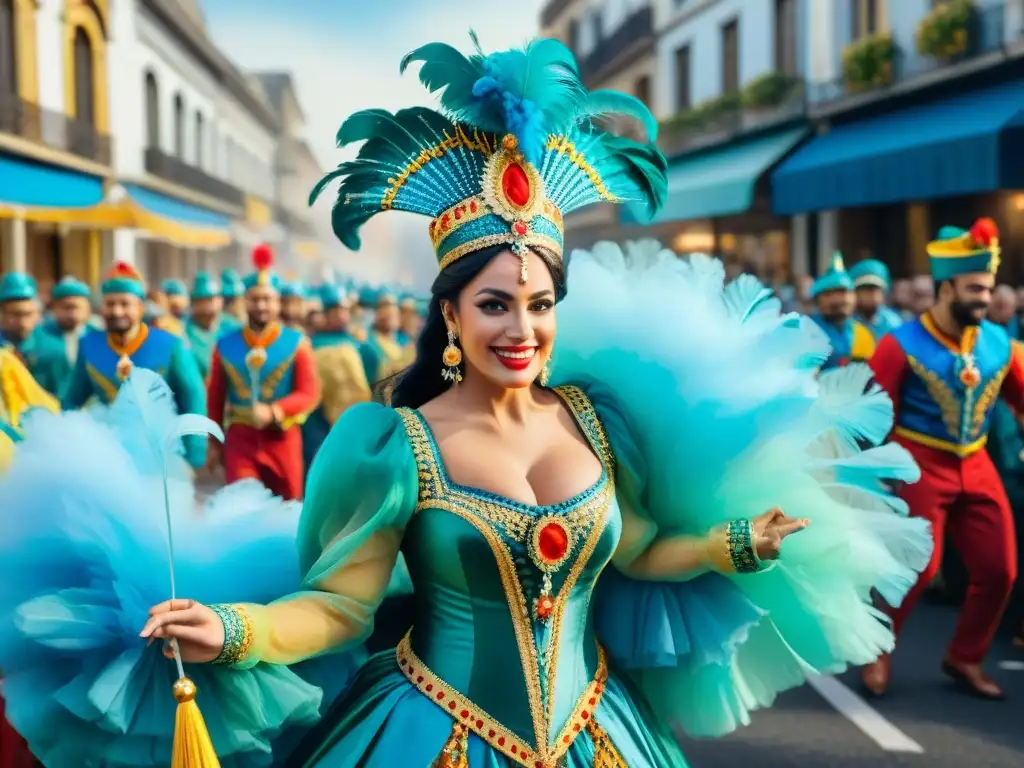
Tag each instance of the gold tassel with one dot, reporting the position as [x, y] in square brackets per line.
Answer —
[192, 745]
[453, 754]
[605, 754]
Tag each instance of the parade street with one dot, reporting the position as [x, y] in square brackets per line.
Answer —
[923, 722]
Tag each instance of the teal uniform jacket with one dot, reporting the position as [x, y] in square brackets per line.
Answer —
[204, 341]
[96, 375]
[45, 358]
[316, 427]
[853, 342]
[65, 342]
[1005, 442]
[884, 321]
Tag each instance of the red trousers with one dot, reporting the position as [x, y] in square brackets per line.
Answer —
[13, 750]
[966, 498]
[270, 456]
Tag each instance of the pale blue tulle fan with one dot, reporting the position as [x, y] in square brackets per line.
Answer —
[84, 558]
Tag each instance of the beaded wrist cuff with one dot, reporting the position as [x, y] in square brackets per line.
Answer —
[237, 633]
[739, 535]
[731, 548]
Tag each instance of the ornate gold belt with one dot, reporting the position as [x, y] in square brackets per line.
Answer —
[470, 718]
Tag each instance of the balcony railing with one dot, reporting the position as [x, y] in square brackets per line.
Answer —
[782, 101]
[636, 33]
[172, 169]
[53, 129]
[986, 35]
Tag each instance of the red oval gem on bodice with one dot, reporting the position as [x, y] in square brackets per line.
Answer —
[515, 185]
[552, 542]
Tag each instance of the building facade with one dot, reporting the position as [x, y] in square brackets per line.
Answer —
[614, 44]
[196, 140]
[915, 125]
[56, 149]
[140, 141]
[295, 171]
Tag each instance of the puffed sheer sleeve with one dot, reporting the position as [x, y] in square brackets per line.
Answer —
[361, 493]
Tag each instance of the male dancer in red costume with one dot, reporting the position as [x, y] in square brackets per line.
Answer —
[944, 372]
[263, 384]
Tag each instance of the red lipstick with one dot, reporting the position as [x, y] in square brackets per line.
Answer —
[515, 358]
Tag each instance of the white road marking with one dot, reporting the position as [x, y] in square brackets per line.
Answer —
[1012, 666]
[861, 714]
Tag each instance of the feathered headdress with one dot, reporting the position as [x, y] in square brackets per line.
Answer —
[512, 149]
[263, 261]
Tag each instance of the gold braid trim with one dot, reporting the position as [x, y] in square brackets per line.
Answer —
[949, 404]
[479, 142]
[493, 733]
[562, 145]
[987, 399]
[605, 754]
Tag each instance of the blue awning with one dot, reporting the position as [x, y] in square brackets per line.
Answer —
[956, 146]
[26, 183]
[176, 210]
[175, 221]
[717, 183]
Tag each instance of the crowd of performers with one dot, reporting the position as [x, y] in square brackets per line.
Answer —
[779, 417]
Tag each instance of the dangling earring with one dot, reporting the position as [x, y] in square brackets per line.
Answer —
[452, 358]
[545, 372]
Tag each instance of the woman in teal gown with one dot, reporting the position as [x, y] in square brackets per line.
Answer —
[598, 533]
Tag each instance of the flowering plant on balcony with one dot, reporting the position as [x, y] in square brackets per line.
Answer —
[768, 90]
[868, 62]
[945, 33]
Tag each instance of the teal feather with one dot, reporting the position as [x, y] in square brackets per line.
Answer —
[606, 103]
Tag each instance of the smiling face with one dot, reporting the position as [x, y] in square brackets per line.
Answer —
[506, 329]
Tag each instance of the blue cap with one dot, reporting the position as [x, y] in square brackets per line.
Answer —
[71, 287]
[333, 295]
[174, 287]
[205, 286]
[870, 272]
[17, 286]
[835, 279]
[958, 251]
[293, 290]
[231, 284]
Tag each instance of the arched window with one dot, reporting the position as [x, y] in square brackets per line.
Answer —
[85, 102]
[152, 112]
[179, 125]
[8, 54]
[200, 140]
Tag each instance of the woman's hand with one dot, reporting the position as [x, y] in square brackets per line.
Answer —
[771, 528]
[198, 630]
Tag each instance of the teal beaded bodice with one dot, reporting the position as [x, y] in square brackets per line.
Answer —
[503, 590]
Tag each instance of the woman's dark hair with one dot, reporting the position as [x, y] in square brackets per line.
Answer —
[421, 382]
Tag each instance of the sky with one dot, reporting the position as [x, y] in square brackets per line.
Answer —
[344, 57]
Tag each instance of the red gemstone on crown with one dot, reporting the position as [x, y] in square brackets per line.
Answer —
[516, 185]
[520, 228]
[552, 542]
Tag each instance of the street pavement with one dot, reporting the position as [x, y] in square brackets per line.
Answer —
[922, 722]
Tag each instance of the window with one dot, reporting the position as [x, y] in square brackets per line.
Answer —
[8, 54]
[84, 104]
[785, 37]
[597, 33]
[200, 140]
[152, 111]
[229, 159]
[684, 98]
[865, 19]
[731, 57]
[642, 89]
[179, 125]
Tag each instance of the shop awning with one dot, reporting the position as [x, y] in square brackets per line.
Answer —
[719, 182]
[36, 191]
[173, 220]
[958, 146]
